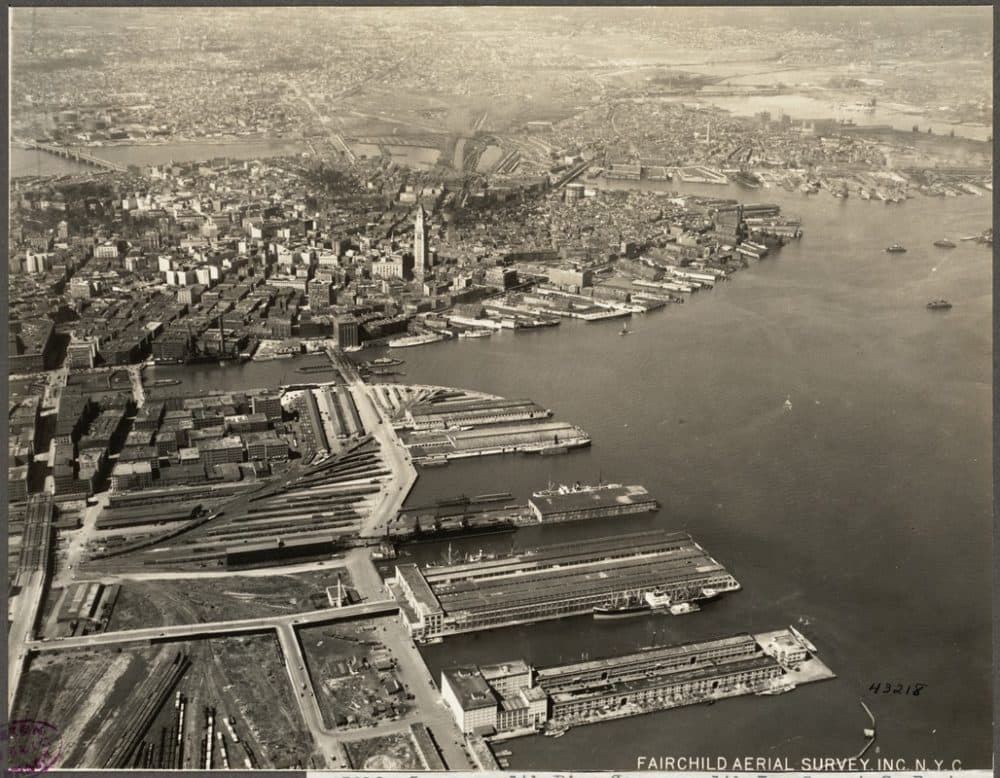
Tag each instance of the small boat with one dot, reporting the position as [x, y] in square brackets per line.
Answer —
[788, 403]
[780, 689]
[475, 333]
[680, 608]
[625, 330]
[944, 243]
[895, 248]
[939, 305]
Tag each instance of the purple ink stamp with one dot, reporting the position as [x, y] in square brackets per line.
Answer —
[32, 746]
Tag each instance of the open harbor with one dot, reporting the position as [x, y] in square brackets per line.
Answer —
[716, 341]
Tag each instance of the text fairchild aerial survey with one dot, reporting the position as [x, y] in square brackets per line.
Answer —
[467, 388]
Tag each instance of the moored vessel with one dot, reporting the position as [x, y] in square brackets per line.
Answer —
[630, 605]
[414, 340]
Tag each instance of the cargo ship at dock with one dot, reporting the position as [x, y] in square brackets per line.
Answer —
[553, 581]
[414, 340]
[631, 605]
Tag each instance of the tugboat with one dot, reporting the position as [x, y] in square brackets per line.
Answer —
[944, 243]
[895, 248]
[939, 305]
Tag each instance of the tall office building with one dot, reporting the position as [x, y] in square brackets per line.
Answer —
[421, 256]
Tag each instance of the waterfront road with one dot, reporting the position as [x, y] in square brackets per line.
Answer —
[216, 628]
[393, 453]
[24, 613]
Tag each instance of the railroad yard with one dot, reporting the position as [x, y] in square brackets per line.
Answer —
[329, 499]
[120, 708]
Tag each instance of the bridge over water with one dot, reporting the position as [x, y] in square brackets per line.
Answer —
[72, 153]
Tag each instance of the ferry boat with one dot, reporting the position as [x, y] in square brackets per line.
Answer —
[944, 243]
[477, 333]
[939, 305]
[895, 248]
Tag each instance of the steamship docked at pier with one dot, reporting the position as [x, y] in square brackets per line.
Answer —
[554, 581]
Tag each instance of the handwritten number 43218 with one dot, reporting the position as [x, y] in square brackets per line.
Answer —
[888, 688]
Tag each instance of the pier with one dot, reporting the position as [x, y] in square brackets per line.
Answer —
[555, 581]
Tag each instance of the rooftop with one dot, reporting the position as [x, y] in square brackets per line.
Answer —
[470, 688]
[590, 500]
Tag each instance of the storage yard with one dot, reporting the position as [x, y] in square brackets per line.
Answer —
[353, 673]
[555, 581]
[121, 708]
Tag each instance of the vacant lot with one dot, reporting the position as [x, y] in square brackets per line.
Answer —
[389, 752]
[190, 601]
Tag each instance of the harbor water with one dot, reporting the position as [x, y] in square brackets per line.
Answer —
[861, 514]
